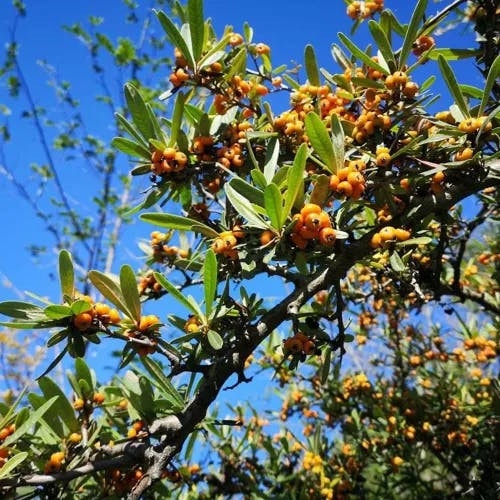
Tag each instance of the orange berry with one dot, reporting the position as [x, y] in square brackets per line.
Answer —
[344, 188]
[75, 437]
[355, 178]
[299, 241]
[310, 208]
[334, 182]
[235, 39]
[327, 236]
[464, 154]
[266, 237]
[438, 177]
[262, 48]
[147, 322]
[293, 345]
[98, 398]
[383, 159]
[56, 458]
[78, 404]
[387, 233]
[308, 347]
[376, 241]
[83, 321]
[402, 234]
[114, 317]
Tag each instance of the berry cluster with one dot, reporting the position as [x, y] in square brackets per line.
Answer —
[192, 325]
[98, 316]
[226, 242]
[146, 330]
[54, 464]
[363, 10]
[163, 252]
[349, 181]
[167, 161]
[299, 344]
[311, 224]
[387, 235]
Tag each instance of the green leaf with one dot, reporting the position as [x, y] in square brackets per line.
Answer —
[62, 406]
[295, 179]
[383, 44]
[178, 222]
[172, 290]
[245, 208]
[320, 140]
[58, 312]
[361, 54]
[411, 32]
[272, 155]
[251, 193]
[138, 111]
[210, 279]
[21, 310]
[396, 262]
[163, 382]
[453, 54]
[452, 84]
[274, 205]
[177, 118]
[421, 240]
[130, 292]
[338, 142]
[12, 463]
[196, 26]
[327, 362]
[66, 273]
[131, 148]
[82, 372]
[215, 340]
[175, 37]
[80, 306]
[215, 53]
[311, 65]
[493, 76]
[129, 127]
[110, 288]
[28, 424]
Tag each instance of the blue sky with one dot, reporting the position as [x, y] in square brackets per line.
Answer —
[287, 28]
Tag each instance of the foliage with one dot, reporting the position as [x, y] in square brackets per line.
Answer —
[376, 215]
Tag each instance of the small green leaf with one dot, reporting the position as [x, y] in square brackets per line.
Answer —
[493, 76]
[129, 127]
[196, 26]
[110, 288]
[361, 54]
[12, 463]
[272, 155]
[396, 262]
[251, 193]
[452, 84]
[58, 312]
[176, 38]
[82, 372]
[80, 306]
[130, 292]
[320, 140]
[311, 65]
[274, 205]
[383, 44]
[421, 240]
[177, 119]
[411, 32]
[338, 142]
[172, 290]
[453, 54]
[210, 279]
[63, 407]
[66, 273]
[131, 148]
[163, 382]
[21, 310]
[245, 208]
[325, 366]
[295, 179]
[28, 424]
[139, 112]
[215, 340]
[178, 222]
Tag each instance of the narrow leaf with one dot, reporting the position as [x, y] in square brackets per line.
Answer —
[128, 285]
[382, 43]
[493, 76]
[452, 84]
[131, 148]
[172, 290]
[320, 140]
[196, 26]
[411, 32]
[210, 280]
[176, 38]
[12, 463]
[177, 119]
[361, 54]
[295, 179]
[273, 205]
[66, 273]
[111, 290]
[244, 208]
[178, 222]
[311, 65]
[338, 142]
[63, 406]
[20, 310]
[137, 108]
[271, 159]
